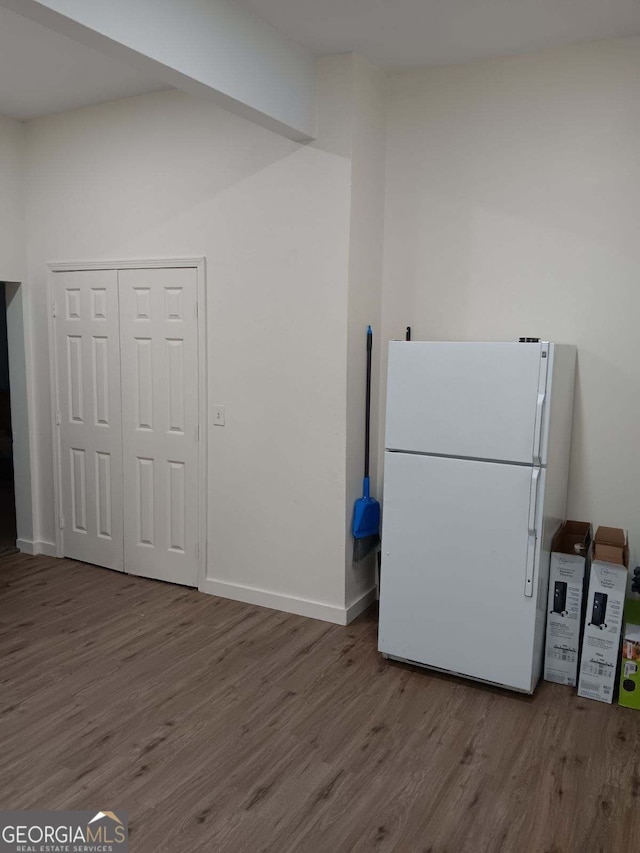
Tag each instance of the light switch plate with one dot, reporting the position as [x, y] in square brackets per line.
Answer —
[218, 415]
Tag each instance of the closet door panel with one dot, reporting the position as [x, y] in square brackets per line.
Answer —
[159, 340]
[89, 412]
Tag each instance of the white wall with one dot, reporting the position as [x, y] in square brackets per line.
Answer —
[365, 295]
[12, 237]
[169, 175]
[512, 209]
[17, 338]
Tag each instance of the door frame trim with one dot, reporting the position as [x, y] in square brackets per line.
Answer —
[200, 265]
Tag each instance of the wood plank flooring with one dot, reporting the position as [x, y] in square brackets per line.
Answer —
[221, 726]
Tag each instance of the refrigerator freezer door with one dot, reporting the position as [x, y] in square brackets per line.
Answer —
[475, 400]
[454, 560]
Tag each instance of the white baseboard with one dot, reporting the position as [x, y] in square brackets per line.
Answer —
[287, 603]
[251, 595]
[27, 546]
[361, 604]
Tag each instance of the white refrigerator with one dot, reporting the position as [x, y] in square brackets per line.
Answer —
[476, 465]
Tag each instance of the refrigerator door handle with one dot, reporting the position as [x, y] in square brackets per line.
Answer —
[540, 400]
[537, 430]
[531, 542]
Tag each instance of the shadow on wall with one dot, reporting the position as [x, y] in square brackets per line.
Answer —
[7, 496]
[17, 503]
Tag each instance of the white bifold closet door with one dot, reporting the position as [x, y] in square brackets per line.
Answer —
[89, 400]
[127, 353]
[159, 344]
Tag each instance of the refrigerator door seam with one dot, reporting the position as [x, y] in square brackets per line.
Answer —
[455, 456]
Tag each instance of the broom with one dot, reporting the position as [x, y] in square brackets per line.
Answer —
[366, 512]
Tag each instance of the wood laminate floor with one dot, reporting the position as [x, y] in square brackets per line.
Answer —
[221, 726]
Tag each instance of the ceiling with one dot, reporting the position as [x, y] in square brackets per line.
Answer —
[42, 72]
[401, 34]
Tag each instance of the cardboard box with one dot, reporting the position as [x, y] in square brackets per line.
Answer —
[610, 546]
[604, 615]
[568, 574]
[630, 662]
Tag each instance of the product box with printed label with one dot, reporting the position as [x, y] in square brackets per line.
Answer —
[604, 614]
[630, 665]
[568, 575]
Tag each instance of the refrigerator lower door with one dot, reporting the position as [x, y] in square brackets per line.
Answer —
[456, 552]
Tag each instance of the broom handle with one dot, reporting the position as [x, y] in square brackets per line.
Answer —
[367, 428]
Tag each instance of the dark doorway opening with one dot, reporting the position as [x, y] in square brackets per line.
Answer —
[7, 489]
